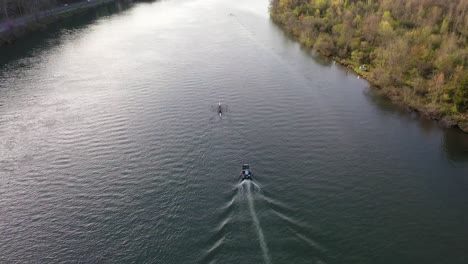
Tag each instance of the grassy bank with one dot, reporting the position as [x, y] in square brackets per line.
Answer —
[414, 52]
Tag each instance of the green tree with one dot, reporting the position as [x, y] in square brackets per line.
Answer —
[325, 44]
[461, 94]
[416, 49]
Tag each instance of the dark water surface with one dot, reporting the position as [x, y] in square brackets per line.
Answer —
[110, 151]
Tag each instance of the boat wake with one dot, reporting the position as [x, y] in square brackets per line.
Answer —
[246, 190]
[246, 186]
[308, 234]
[261, 237]
[222, 231]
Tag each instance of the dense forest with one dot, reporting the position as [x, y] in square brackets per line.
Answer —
[415, 51]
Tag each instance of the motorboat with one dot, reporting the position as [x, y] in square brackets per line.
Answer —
[246, 173]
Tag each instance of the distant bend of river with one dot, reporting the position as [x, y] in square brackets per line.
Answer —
[111, 151]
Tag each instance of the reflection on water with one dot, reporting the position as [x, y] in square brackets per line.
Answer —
[456, 145]
[51, 37]
[455, 142]
[321, 60]
[110, 151]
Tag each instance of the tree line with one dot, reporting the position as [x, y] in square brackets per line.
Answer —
[414, 50]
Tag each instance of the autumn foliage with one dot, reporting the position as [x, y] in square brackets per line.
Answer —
[414, 49]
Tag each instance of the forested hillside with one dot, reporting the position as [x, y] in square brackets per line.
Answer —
[415, 51]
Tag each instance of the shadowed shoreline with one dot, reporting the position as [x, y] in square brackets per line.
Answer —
[15, 28]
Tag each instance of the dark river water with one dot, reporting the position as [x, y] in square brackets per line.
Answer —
[110, 151]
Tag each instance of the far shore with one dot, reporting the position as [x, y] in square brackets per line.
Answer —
[15, 28]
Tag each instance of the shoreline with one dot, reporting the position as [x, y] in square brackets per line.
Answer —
[14, 29]
[445, 121]
[394, 94]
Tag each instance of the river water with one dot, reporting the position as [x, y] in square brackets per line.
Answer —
[110, 151]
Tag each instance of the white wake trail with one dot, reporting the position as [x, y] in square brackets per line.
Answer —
[261, 237]
[257, 188]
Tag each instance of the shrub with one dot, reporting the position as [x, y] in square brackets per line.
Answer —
[461, 95]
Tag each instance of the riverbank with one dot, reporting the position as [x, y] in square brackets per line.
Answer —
[400, 96]
[16, 28]
[417, 62]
